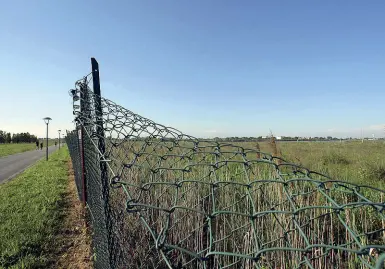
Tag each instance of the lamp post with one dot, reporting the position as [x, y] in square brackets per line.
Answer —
[46, 120]
[59, 137]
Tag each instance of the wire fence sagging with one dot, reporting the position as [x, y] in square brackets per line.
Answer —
[158, 198]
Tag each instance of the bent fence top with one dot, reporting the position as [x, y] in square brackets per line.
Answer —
[158, 198]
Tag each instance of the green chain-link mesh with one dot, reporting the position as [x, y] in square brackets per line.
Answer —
[169, 200]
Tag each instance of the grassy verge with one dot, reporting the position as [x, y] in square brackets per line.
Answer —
[73, 242]
[9, 149]
[30, 213]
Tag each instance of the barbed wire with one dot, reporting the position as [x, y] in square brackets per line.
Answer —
[174, 201]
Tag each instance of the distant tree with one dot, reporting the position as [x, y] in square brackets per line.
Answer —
[8, 138]
[2, 136]
[19, 138]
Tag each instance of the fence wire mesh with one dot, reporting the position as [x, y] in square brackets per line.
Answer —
[73, 144]
[161, 199]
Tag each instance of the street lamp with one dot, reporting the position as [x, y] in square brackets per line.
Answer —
[46, 120]
[59, 137]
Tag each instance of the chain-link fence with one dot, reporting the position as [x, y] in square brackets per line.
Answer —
[161, 199]
[74, 145]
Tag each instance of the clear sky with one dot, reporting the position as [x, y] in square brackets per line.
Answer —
[208, 68]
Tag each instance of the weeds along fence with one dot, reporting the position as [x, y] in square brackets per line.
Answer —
[158, 198]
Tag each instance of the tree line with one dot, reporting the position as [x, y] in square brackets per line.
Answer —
[280, 138]
[6, 137]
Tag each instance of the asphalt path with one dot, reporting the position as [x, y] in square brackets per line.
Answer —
[12, 165]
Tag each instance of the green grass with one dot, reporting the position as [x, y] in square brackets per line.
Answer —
[356, 162]
[29, 212]
[9, 149]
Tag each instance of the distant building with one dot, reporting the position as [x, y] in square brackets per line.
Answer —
[278, 137]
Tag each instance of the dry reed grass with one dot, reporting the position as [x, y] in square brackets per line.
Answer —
[216, 209]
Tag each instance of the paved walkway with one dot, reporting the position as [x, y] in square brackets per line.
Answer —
[12, 165]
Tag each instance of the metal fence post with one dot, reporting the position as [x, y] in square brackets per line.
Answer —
[80, 134]
[102, 149]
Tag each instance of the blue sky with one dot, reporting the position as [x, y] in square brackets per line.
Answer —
[208, 68]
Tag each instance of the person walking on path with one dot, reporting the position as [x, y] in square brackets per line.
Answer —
[37, 144]
[41, 146]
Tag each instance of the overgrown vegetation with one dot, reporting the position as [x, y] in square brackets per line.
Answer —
[30, 213]
[233, 232]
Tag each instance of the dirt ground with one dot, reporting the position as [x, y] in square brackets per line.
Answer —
[74, 239]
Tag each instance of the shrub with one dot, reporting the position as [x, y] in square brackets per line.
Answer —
[334, 158]
[372, 171]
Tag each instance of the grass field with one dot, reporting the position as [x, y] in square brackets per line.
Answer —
[9, 149]
[30, 213]
[356, 162]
